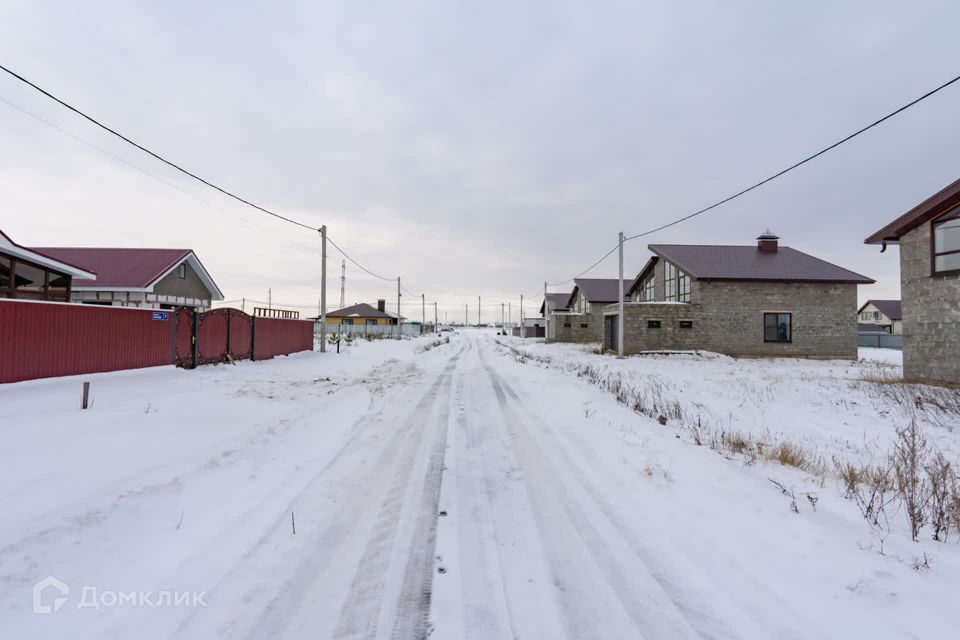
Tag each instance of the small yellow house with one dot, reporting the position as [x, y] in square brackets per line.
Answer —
[362, 314]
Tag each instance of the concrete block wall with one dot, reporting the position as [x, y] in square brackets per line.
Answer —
[668, 337]
[931, 313]
[728, 318]
[824, 317]
[583, 327]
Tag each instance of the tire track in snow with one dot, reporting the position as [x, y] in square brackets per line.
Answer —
[590, 550]
[373, 598]
[703, 600]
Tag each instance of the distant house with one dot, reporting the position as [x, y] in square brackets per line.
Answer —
[534, 327]
[362, 314]
[554, 302]
[582, 321]
[144, 278]
[29, 274]
[759, 300]
[929, 239]
[885, 315]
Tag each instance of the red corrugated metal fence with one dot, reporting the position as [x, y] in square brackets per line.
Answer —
[42, 340]
[276, 337]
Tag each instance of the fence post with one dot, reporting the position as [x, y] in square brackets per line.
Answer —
[196, 339]
[229, 354]
[253, 339]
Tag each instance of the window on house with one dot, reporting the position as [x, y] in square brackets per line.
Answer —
[584, 325]
[371, 321]
[30, 281]
[4, 275]
[648, 288]
[669, 282]
[347, 321]
[683, 287]
[777, 327]
[946, 242]
[566, 325]
[653, 324]
[686, 324]
[183, 271]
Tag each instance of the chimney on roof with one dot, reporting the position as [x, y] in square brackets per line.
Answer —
[768, 241]
[381, 305]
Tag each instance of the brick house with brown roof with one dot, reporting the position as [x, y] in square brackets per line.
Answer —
[758, 300]
[929, 239]
[581, 317]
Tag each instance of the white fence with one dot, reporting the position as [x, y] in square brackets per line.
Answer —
[386, 330]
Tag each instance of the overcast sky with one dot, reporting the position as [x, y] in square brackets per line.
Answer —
[473, 148]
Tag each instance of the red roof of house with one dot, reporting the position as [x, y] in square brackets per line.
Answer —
[723, 262]
[119, 268]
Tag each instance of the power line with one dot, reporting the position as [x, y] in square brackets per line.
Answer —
[769, 179]
[141, 170]
[797, 164]
[151, 153]
[357, 264]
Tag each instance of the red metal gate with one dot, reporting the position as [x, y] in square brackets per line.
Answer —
[184, 338]
[219, 335]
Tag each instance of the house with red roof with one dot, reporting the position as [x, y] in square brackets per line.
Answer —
[143, 278]
[753, 300]
[28, 274]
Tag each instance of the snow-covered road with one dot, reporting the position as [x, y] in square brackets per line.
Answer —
[452, 493]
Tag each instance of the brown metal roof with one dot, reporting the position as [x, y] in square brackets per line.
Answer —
[938, 203]
[890, 308]
[361, 310]
[599, 289]
[558, 301]
[720, 262]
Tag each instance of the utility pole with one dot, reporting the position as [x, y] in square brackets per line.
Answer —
[523, 325]
[270, 298]
[243, 305]
[399, 326]
[466, 314]
[435, 315]
[323, 289]
[501, 316]
[509, 314]
[620, 314]
[343, 283]
[546, 316]
[479, 306]
[423, 311]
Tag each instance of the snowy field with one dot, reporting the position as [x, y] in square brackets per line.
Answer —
[487, 488]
